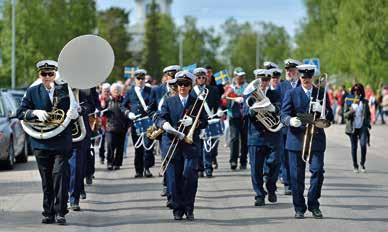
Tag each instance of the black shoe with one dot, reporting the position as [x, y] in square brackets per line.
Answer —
[272, 197]
[200, 174]
[89, 180]
[190, 216]
[48, 220]
[116, 167]
[209, 174]
[317, 213]
[178, 215]
[164, 192]
[82, 196]
[215, 164]
[138, 175]
[61, 220]
[299, 215]
[110, 167]
[243, 166]
[233, 165]
[259, 201]
[75, 207]
[169, 204]
[287, 190]
[147, 173]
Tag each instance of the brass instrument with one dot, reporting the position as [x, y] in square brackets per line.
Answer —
[78, 130]
[320, 122]
[201, 98]
[270, 120]
[153, 132]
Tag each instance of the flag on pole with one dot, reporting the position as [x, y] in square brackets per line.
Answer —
[129, 72]
[190, 67]
[221, 77]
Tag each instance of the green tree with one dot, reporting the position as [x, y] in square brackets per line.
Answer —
[112, 26]
[168, 41]
[152, 44]
[42, 29]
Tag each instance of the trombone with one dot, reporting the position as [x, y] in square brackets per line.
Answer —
[189, 137]
[320, 122]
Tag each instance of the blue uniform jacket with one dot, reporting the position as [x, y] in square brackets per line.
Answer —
[172, 111]
[294, 102]
[88, 106]
[283, 88]
[258, 135]
[131, 102]
[213, 97]
[37, 98]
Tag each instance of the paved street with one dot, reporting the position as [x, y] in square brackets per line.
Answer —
[118, 202]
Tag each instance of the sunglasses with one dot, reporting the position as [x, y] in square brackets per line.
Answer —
[306, 77]
[185, 84]
[45, 74]
[140, 78]
[201, 77]
[265, 79]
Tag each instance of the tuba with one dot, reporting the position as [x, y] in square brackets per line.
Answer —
[270, 120]
[78, 130]
[83, 63]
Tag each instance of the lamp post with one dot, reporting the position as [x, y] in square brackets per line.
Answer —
[13, 62]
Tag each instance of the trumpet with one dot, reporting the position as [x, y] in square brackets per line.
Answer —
[320, 122]
[189, 137]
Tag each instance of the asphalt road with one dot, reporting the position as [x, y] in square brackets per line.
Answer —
[118, 202]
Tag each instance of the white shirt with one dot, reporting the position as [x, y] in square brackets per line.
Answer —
[50, 92]
[359, 117]
[139, 88]
[183, 100]
[308, 90]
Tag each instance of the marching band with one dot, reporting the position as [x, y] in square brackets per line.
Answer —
[274, 126]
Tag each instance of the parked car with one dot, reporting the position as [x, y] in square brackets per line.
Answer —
[13, 142]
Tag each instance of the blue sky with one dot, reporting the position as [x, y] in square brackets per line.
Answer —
[285, 13]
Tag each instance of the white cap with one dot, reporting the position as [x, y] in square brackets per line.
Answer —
[47, 64]
[185, 74]
[291, 63]
[199, 70]
[270, 65]
[260, 72]
[275, 72]
[172, 68]
[140, 72]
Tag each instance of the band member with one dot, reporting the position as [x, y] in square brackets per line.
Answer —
[51, 154]
[80, 150]
[138, 103]
[116, 128]
[301, 100]
[263, 145]
[238, 120]
[275, 78]
[357, 118]
[210, 106]
[292, 81]
[160, 93]
[182, 171]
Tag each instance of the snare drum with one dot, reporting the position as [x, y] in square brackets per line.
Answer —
[215, 128]
[142, 124]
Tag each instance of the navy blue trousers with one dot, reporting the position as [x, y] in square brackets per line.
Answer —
[257, 157]
[77, 163]
[297, 177]
[143, 158]
[182, 181]
[284, 163]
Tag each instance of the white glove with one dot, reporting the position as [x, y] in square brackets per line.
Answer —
[238, 99]
[42, 115]
[220, 113]
[72, 113]
[131, 116]
[295, 122]
[169, 129]
[271, 108]
[259, 109]
[187, 121]
[316, 107]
